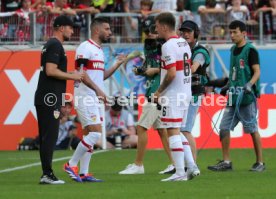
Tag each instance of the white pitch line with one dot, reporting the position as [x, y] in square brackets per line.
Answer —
[38, 163]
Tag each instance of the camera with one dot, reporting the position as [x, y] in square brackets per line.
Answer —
[139, 70]
[119, 130]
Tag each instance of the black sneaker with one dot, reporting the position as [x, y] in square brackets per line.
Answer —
[221, 166]
[50, 179]
[258, 167]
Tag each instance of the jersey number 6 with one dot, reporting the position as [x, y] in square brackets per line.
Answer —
[186, 65]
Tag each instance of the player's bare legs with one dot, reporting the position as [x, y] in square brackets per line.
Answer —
[141, 146]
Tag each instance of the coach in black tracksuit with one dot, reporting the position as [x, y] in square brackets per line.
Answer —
[48, 96]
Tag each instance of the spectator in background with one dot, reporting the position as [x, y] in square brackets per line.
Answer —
[117, 22]
[131, 23]
[182, 13]
[164, 5]
[211, 14]
[84, 6]
[84, 10]
[236, 11]
[37, 3]
[67, 136]
[60, 7]
[252, 22]
[266, 8]
[118, 6]
[193, 6]
[146, 10]
[23, 26]
[41, 15]
[103, 5]
[252, 6]
[10, 5]
[273, 9]
[119, 122]
[11, 22]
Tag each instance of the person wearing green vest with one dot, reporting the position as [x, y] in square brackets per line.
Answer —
[200, 61]
[193, 6]
[243, 78]
[103, 5]
[151, 111]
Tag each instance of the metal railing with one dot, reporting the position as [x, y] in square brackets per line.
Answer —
[38, 28]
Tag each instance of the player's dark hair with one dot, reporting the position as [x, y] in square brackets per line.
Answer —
[116, 106]
[98, 21]
[166, 18]
[237, 24]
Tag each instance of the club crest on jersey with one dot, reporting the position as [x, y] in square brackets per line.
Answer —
[93, 118]
[56, 114]
[241, 63]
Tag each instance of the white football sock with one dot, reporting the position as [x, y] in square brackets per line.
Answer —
[177, 154]
[84, 163]
[189, 160]
[86, 144]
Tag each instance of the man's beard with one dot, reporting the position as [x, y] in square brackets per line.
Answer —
[65, 38]
[103, 39]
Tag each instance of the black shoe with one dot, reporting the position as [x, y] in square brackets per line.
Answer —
[258, 167]
[221, 166]
[50, 179]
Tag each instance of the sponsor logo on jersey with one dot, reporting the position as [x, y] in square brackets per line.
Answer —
[182, 44]
[93, 118]
[97, 65]
[168, 58]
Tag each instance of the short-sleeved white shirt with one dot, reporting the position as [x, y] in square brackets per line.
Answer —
[175, 52]
[95, 68]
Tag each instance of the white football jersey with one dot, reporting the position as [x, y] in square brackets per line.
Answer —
[176, 52]
[95, 67]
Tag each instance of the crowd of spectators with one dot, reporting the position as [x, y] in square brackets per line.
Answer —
[212, 16]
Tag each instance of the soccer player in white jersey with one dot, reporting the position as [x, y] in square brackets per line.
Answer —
[174, 92]
[90, 57]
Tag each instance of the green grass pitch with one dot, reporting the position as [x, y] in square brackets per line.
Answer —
[239, 183]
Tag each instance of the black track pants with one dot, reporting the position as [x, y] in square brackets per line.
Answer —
[48, 124]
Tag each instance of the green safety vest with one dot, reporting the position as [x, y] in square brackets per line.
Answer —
[193, 5]
[240, 74]
[97, 3]
[201, 70]
[153, 60]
